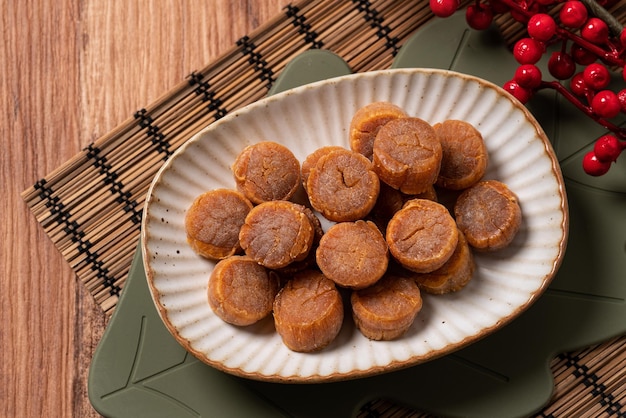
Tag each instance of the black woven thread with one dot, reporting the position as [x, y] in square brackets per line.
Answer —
[369, 410]
[62, 216]
[255, 59]
[203, 90]
[304, 28]
[122, 197]
[116, 187]
[376, 21]
[591, 380]
[153, 132]
[58, 210]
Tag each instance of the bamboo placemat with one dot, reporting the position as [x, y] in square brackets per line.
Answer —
[91, 206]
[102, 189]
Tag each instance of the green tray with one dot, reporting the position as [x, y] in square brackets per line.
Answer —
[139, 370]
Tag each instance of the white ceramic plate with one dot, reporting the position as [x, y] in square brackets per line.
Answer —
[505, 284]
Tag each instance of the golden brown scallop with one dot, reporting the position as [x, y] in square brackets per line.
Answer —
[489, 214]
[308, 312]
[342, 186]
[309, 261]
[213, 221]
[407, 155]
[366, 123]
[241, 292]
[387, 309]
[465, 157]
[266, 171]
[454, 275]
[311, 160]
[422, 236]
[353, 254]
[277, 233]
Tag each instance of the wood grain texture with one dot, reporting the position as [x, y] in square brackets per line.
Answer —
[71, 72]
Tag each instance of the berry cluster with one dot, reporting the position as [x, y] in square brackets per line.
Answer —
[592, 45]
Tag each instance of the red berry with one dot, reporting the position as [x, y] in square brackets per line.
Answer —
[607, 148]
[593, 166]
[541, 27]
[528, 76]
[528, 51]
[595, 30]
[561, 65]
[577, 84]
[546, 2]
[621, 97]
[582, 55]
[573, 14]
[597, 76]
[520, 93]
[622, 38]
[605, 104]
[443, 8]
[478, 16]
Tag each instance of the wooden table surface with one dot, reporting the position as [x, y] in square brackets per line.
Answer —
[71, 72]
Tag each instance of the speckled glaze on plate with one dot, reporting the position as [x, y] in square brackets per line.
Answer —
[505, 284]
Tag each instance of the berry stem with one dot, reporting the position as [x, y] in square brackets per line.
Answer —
[609, 56]
[585, 109]
[515, 6]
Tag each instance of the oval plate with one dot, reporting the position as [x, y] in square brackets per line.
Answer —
[505, 284]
